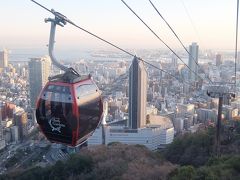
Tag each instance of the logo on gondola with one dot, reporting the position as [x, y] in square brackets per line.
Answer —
[55, 124]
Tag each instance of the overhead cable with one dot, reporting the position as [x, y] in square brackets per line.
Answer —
[179, 40]
[160, 39]
[108, 42]
[236, 47]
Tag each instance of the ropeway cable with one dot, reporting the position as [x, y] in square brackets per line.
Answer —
[160, 39]
[59, 15]
[175, 34]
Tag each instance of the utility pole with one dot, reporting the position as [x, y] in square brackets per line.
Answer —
[219, 91]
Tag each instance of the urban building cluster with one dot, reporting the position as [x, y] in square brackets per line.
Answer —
[142, 105]
[134, 129]
[15, 117]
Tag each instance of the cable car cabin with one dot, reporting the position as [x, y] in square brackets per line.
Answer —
[69, 111]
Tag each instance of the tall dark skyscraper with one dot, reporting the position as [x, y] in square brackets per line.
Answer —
[193, 50]
[137, 94]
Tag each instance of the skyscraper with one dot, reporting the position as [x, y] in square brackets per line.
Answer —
[3, 58]
[20, 120]
[39, 71]
[137, 94]
[193, 58]
[238, 60]
[218, 59]
[2, 140]
[174, 61]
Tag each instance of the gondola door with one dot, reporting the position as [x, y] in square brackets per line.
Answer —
[55, 113]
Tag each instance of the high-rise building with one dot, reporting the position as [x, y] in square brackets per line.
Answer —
[2, 140]
[238, 60]
[3, 114]
[3, 58]
[14, 134]
[137, 94]
[218, 59]
[192, 62]
[39, 71]
[20, 120]
[174, 61]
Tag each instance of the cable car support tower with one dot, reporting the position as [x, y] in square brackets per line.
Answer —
[220, 92]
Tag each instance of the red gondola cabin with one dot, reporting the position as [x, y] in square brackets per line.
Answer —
[69, 111]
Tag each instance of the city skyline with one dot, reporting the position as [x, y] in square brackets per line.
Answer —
[131, 92]
[210, 23]
[170, 110]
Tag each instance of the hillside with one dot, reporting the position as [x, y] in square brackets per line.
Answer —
[190, 156]
[116, 161]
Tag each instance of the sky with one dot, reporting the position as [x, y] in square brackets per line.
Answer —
[210, 23]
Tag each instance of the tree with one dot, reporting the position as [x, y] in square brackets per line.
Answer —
[183, 173]
[191, 149]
